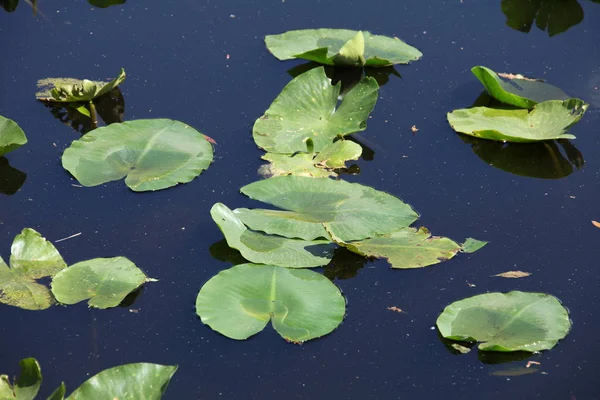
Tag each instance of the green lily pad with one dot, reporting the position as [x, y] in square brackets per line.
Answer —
[406, 248]
[265, 249]
[69, 90]
[26, 385]
[307, 109]
[127, 382]
[320, 165]
[105, 3]
[350, 211]
[546, 121]
[32, 257]
[341, 47]
[104, 281]
[11, 135]
[521, 93]
[240, 302]
[515, 321]
[151, 154]
[472, 245]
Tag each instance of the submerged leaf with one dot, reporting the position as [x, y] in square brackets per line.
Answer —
[515, 321]
[105, 3]
[521, 93]
[104, 281]
[341, 47]
[151, 154]
[406, 248]
[546, 121]
[11, 135]
[472, 245]
[32, 258]
[130, 381]
[68, 90]
[240, 302]
[306, 109]
[266, 249]
[348, 210]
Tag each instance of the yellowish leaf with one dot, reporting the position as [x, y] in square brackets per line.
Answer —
[513, 274]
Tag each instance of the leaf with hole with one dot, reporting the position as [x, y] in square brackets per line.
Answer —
[151, 154]
[104, 281]
[546, 121]
[269, 249]
[301, 304]
[514, 321]
[32, 258]
[11, 135]
[350, 211]
[307, 110]
[342, 47]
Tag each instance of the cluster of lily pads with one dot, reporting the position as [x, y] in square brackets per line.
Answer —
[131, 381]
[105, 282]
[304, 133]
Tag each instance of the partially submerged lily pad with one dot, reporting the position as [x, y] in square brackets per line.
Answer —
[69, 90]
[321, 165]
[104, 281]
[406, 248]
[151, 154]
[32, 258]
[348, 210]
[342, 47]
[307, 109]
[240, 302]
[546, 121]
[268, 249]
[515, 321]
[11, 135]
[26, 386]
[519, 91]
[472, 245]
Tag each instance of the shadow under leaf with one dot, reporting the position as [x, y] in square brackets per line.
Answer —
[222, 252]
[344, 264]
[11, 179]
[553, 16]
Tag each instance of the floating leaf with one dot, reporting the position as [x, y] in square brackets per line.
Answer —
[521, 93]
[105, 3]
[515, 321]
[546, 121]
[240, 302]
[151, 154]
[265, 249]
[513, 274]
[307, 109]
[472, 245]
[320, 165]
[11, 135]
[27, 384]
[406, 248]
[596, 224]
[32, 257]
[350, 211]
[104, 281]
[131, 381]
[69, 90]
[341, 47]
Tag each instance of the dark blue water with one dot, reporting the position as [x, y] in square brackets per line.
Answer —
[175, 54]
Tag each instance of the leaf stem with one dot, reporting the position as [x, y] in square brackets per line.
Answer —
[93, 115]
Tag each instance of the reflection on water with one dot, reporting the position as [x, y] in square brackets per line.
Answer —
[110, 107]
[554, 16]
[11, 179]
[344, 264]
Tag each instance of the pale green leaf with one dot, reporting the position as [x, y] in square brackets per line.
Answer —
[307, 109]
[522, 93]
[515, 321]
[406, 248]
[348, 210]
[301, 304]
[68, 90]
[11, 135]
[472, 245]
[341, 47]
[336, 154]
[300, 164]
[104, 281]
[266, 249]
[151, 154]
[548, 120]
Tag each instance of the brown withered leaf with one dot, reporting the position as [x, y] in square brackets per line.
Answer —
[518, 76]
[396, 309]
[596, 224]
[513, 274]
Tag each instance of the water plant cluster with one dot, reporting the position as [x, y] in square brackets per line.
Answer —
[307, 215]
